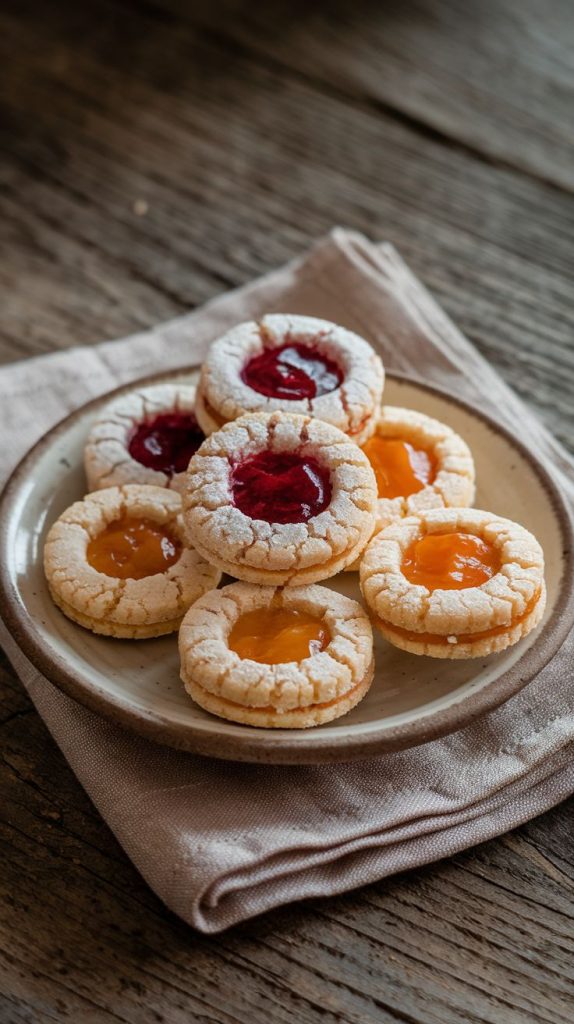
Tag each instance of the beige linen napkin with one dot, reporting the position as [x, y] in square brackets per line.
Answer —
[221, 842]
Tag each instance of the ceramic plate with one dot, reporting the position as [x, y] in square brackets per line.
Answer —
[412, 699]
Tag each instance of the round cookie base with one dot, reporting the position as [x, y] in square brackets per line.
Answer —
[120, 631]
[289, 577]
[356, 564]
[478, 648]
[206, 421]
[107, 458]
[210, 425]
[298, 718]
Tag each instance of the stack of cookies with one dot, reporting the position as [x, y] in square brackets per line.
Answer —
[282, 471]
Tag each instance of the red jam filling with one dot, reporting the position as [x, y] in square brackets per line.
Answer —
[281, 487]
[292, 371]
[166, 442]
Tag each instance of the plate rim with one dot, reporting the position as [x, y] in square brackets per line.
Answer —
[274, 746]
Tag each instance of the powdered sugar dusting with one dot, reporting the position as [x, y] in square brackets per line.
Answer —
[497, 602]
[107, 458]
[207, 660]
[351, 407]
[126, 608]
[254, 549]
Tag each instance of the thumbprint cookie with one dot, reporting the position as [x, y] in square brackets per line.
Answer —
[279, 499]
[117, 563]
[454, 583]
[297, 364]
[419, 463]
[283, 659]
[144, 437]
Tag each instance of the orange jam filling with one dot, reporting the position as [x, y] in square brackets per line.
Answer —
[400, 468]
[450, 561]
[467, 638]
[132, 548]
[273, 636]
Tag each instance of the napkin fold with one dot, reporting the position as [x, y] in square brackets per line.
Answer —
[221, 842]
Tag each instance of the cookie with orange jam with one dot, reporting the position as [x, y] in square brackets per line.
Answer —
[419, 464]
[454, 583]
[146, 436]
[297, 364]
[278, 658]
[118, 564]
[279, 499]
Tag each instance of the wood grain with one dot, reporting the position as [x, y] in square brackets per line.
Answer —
[155, 153]
[494, 79]
[204, 134]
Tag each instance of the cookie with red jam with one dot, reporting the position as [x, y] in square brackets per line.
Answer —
[277, 658]
[118, 563]
[454, 583]
[146, 436]
[279, 499]
[297, 364]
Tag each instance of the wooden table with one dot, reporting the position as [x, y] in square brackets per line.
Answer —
[154, 154]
